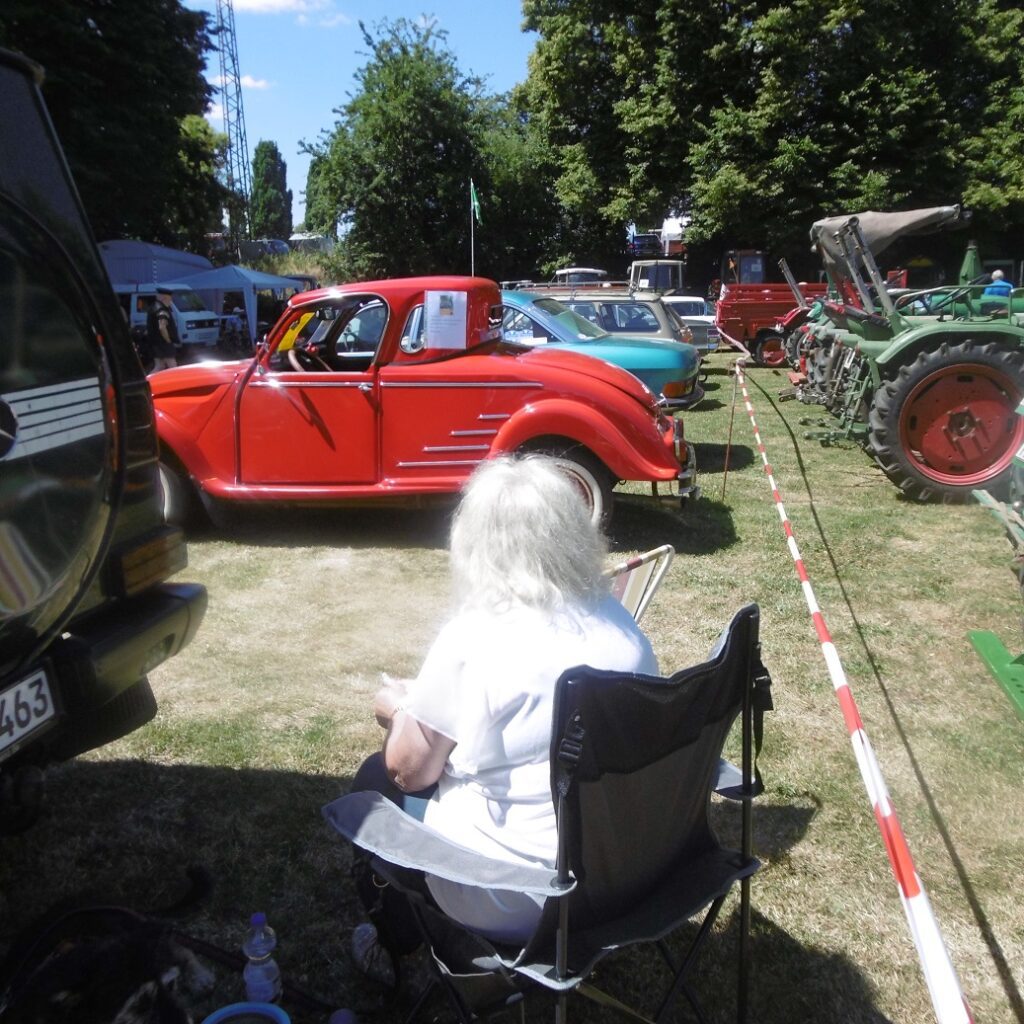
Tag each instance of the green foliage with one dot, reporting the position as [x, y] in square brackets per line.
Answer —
[271, 197]
[397, 166]
[758, 118]
[198, 196]
[120, 81]
[392, 178]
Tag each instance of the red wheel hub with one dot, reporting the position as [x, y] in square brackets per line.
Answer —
[773, 353]
[960, 424]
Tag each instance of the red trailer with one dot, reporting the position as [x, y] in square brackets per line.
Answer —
[748, 315]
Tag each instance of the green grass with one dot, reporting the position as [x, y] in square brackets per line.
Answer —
[266, 717]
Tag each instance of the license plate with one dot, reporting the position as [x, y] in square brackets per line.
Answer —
[24, 708]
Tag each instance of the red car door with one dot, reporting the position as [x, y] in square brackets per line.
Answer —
[309, 428]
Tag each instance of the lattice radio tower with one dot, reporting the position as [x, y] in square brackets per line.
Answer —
[237, 174]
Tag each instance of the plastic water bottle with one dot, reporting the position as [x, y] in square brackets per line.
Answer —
[262, 975]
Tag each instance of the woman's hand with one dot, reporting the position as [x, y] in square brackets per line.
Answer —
[388, 699]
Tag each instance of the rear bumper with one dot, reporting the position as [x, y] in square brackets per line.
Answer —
[116, 647]
[97, 671]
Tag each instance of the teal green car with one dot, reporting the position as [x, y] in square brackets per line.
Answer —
[669, 368]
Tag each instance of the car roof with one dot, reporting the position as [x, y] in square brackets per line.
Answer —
[398, 289]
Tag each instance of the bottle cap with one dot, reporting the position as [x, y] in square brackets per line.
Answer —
[258, 920]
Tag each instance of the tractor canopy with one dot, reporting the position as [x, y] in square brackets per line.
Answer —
[880, 230]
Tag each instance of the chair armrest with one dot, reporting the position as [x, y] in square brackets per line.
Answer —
[373, 823]
[729, 782]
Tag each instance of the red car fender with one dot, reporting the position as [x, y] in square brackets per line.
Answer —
[638, 453]
[184, 447]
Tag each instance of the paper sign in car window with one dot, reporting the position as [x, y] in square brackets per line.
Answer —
[446, 319]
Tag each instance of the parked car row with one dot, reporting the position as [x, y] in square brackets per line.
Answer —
[660, 356]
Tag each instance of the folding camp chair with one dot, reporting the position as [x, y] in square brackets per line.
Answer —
[635, 581]
[634, 761]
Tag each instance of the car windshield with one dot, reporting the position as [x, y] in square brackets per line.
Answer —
[186, 301]
[579, 325]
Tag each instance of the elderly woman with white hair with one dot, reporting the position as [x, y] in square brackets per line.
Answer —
[468, 739]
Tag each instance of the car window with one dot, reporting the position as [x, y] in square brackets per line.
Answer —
[363, 331]
[629, 316]
[587, 310]
[688, 308]
[577, 326]
[342, 335]
[517, 326]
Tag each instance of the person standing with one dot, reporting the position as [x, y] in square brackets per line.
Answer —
[162, 332]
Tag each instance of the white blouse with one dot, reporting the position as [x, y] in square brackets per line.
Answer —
[488, 684]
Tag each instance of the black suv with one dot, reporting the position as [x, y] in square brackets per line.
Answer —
[85, 611]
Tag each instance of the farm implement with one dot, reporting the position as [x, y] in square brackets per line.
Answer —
[929, 380]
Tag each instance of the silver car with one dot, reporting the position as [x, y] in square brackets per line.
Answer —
[624, 314]
[699, 316]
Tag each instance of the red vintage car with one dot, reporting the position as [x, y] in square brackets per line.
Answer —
[395, 390]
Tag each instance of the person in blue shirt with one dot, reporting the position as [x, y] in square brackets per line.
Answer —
[999, 287]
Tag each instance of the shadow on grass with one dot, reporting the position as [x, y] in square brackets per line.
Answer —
[296, 527]
[789, 981]
[702, 527]
[121, 833]
[708, 404]
[711, 457]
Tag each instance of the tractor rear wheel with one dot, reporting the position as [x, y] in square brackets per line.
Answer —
[948, 423]
[770, 350]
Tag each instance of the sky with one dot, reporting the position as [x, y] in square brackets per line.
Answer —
[297, 60]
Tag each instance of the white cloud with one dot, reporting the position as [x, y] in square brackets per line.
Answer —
[215, 112]
[321, 13]
[282, 6]
[334, 20]
[248, 82]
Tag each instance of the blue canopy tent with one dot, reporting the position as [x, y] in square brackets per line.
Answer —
[212, 284]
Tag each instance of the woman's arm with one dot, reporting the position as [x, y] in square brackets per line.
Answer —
[414, 754]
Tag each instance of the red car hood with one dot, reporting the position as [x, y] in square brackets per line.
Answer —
[196, 376]
[591, 366]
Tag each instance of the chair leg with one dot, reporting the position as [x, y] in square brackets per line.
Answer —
[679, 985]
[414, 1013]
[744, 964]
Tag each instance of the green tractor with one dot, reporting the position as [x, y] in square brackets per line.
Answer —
[928, 380]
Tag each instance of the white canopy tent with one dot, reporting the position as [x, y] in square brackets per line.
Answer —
[212, 284]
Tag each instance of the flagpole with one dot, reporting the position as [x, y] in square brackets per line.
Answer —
[472, 237]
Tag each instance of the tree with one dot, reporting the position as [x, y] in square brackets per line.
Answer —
[120, 81]
[758, 118]
[396, 168]
[197, 198]
[271, 197]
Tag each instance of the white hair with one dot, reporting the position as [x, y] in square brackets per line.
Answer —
[523, 535]
[997, 274]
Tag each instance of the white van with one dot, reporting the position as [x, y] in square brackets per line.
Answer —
[196, 324]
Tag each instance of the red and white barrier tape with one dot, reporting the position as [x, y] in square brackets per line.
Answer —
[943, 985]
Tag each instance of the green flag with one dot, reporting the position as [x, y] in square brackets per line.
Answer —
[474, 202]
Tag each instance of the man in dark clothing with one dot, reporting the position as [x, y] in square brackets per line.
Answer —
[162, 332]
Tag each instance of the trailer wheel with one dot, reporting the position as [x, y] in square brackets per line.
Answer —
[947, 423]
[770, 350]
